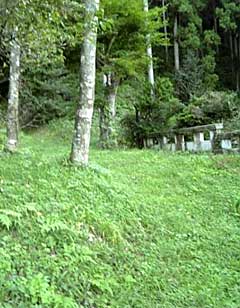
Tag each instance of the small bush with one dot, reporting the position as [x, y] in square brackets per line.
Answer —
[209, 108]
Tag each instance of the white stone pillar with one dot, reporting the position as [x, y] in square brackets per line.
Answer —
[198, 139]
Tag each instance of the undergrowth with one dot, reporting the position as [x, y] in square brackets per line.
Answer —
[135, 229]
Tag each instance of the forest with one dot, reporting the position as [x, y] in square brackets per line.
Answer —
[111, 116]
[159, 65]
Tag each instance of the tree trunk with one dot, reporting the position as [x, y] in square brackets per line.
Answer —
[237, 62]
[83, 121]
[237, 80]
[231, 45]
[13, 98]
[215, 22]
[139, 139]
[236, 46]
[239, 47]
[165, 30]
[176, 44]
[107, 113]
[149, 52]
[232, 54]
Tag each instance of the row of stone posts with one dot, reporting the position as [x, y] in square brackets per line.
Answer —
[177, 140]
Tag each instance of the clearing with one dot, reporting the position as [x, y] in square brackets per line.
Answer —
[136, 229]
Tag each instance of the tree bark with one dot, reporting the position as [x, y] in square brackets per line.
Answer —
[239, 47]
[107, 112]
[165, 30]
[231, 45]
[13, 97]
[237, 80]
[238, 60]
[81, 138]
[139, 139]
[176, 44]
[236, 46]
[102, 127]
[149, 52]
[232, 54]
[215, 22]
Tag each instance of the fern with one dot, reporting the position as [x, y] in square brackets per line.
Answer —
[9, 217]
[5, 221]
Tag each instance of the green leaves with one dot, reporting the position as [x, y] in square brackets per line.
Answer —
[122, 40]
[229, 15]
[45, 27]
[136, 229]
[9, 218]
[5, 221]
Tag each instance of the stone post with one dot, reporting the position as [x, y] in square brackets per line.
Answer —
[198, 139]
[145, 142]
[164, 142]
[179, 142]
[212, 133]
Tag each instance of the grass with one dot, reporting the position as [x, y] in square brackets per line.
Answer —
[135, 229]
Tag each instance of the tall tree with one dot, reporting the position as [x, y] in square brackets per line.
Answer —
[83, 120]
[229, 19]
[13, 97]
[165, 28]
[176, 43]
[107, 110]
[126, 33]
[18, 32]
[149, 51]
[186, 23]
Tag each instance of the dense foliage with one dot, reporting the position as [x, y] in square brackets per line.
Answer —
[207, 37]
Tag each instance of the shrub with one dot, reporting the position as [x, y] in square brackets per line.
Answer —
[152, 113]
[208, 108]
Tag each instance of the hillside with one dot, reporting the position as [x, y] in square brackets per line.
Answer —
[135, 229]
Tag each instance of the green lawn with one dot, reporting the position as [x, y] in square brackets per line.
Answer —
[136, 229]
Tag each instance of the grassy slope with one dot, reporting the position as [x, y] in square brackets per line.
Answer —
[137, 229]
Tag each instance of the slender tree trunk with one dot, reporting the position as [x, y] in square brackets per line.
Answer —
[112, 87]
[216, 30]
[102, 117]
[103, 127]
[83, 121]
[215, 22]
[139, 139]
[108, 112]
[149, 52]
[237, 48]
[176, 44]
[165, 31]
[236, 62]
[13, 98]
[237, 80]
[232, 54]
[231, 45]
